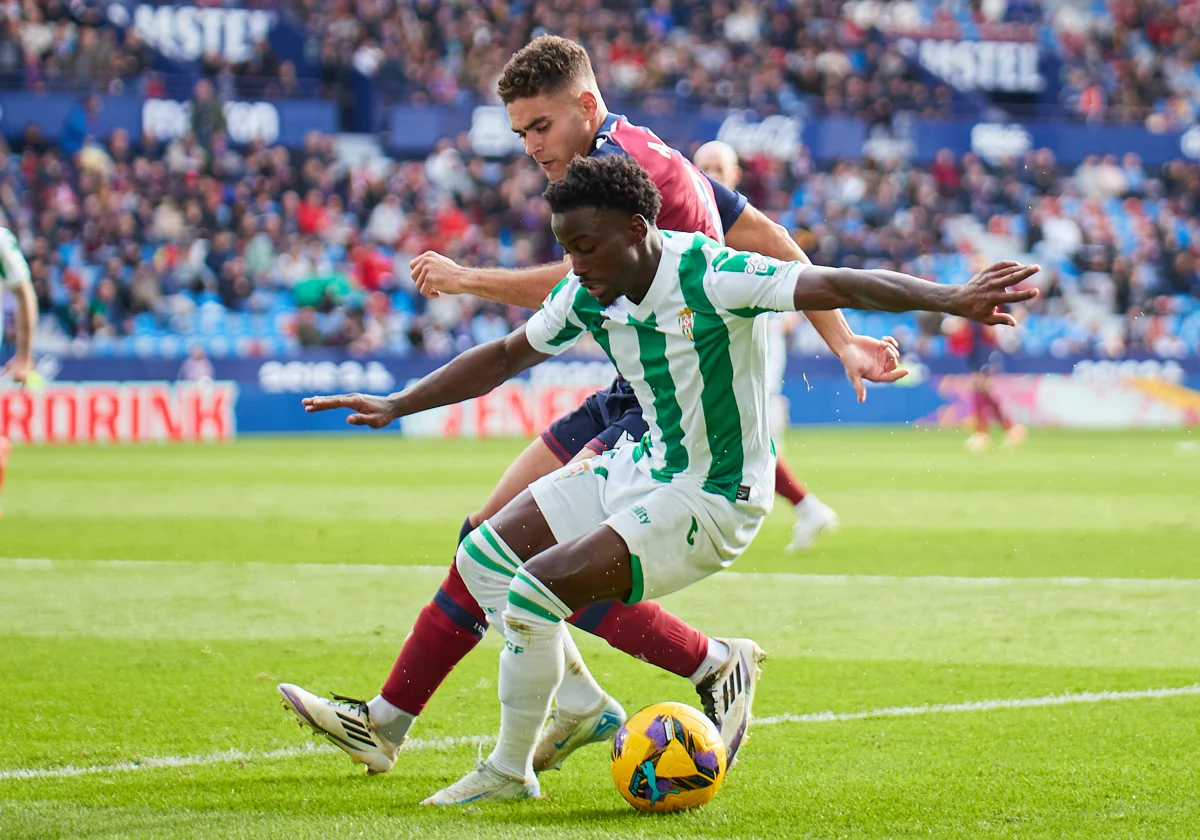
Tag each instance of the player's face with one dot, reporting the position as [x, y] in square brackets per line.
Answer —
[554, 129]
[721, 170]
[602, 245]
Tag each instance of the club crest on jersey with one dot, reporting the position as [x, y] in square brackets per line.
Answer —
[687, 320]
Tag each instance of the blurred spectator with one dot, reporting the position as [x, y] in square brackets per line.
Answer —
[197, 367]
[79, 124]
[208, 116]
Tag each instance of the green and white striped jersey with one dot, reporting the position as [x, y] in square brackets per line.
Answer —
[695, 352]
[14, 271]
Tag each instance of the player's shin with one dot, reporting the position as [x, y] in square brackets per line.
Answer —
[531, 669]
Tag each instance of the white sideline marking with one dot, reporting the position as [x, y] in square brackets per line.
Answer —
[982, 705]
[228, 757]
[343, 568]
[439, 744]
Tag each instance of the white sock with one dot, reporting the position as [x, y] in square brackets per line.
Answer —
[718, 652]
[531, 668]
[390, 721]
[579, 694]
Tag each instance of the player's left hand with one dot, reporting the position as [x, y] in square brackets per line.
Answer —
[18, 370]
[872, 359]
[980, 297]
[436, 274]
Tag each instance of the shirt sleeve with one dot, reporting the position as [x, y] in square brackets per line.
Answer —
[730, 203]
[14, 270]
[747, 284]
[555, 326]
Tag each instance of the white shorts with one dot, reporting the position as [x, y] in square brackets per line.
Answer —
[677, 533]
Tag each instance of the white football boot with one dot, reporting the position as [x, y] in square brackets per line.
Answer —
[727, 694]
[812, 517]
[978, 442]
[346, 723]
[565, 734]
[486, 783]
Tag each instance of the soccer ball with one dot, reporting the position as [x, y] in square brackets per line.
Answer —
[668, 757]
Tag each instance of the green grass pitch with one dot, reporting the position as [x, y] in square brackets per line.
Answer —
[137, 697]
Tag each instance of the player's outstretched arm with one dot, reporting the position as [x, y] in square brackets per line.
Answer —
[865, 357]
[819, 287]
[470, 374]
[434, 274]
[753, 231]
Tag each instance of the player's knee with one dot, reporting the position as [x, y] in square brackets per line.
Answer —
[530, 600]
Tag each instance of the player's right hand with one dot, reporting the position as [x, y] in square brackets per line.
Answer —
[375, 412]
[435, 274]
[18, 370]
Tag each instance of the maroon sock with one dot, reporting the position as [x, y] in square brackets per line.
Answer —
[997, 411]
[786, 483]
[980, 416]
[446, 630]
[648, 632]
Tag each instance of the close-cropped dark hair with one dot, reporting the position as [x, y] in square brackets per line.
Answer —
[612, 182]
[546, 65]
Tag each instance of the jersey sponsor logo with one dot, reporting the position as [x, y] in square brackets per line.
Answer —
[687, 320]
[691, 534]
[759, 264]
[641, 513]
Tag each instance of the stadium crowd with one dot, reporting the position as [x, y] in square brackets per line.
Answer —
[1123, 61]
[1127, 61]
[143, 247]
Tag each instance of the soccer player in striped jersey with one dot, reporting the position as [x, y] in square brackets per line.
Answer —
[679, 316]
[14, 276]
[719, 161]
[555, 105]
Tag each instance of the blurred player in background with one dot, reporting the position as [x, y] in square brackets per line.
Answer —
[14, 276]
[719, 161]
[555, 106]
[977, 343]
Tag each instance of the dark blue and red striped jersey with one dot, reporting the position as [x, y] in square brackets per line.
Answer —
[691, 201]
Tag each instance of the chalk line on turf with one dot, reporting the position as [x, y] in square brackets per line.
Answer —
[45, 563]
[235, 755]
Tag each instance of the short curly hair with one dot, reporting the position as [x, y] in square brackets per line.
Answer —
[546, 65]
[612, 182]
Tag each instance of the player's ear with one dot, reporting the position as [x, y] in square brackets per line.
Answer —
[588, 106]
[638, 228]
